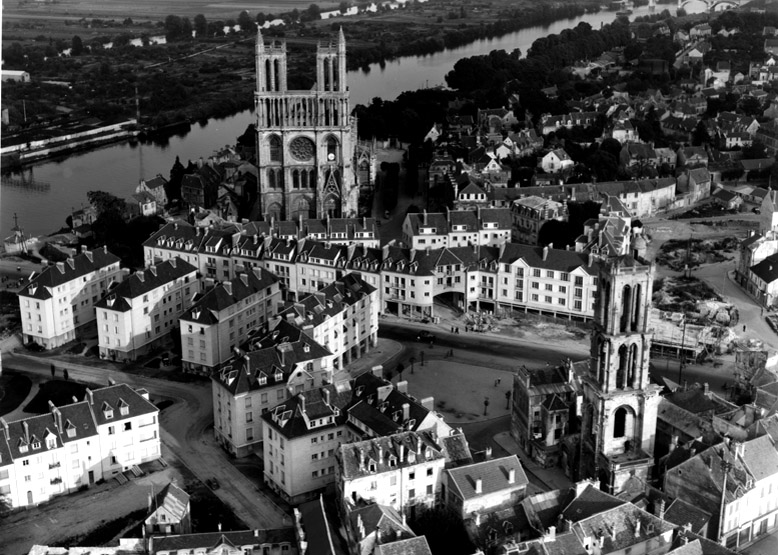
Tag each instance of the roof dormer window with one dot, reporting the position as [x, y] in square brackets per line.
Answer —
[124, 408]
[107, 411]
[278, 376]
[36, 445]
[70, 429]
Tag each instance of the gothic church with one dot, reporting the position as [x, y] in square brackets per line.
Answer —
[306, 140]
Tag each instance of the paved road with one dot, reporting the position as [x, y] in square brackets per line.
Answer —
[184, 429]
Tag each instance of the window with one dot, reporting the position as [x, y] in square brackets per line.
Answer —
[550, 274]
[536, 272]
[578, 281]
[411, 493]
[564, 276]
[411, 475]
[127, 426]
[249, 417]
[429, 489]
[549, 287]
[110, 430]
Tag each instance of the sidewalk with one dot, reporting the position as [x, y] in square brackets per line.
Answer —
[552, 478]
[382, 354]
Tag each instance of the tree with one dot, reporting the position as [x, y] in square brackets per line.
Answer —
[105, 202]
[245, 22]
[200, 25]
[754, 151]
[173, 27]
[444, 530]
[186, 28]
[700, 135]
[76, 46]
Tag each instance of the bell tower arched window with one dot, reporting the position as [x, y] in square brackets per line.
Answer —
[621, 373]
[620, 422]
[332, 149]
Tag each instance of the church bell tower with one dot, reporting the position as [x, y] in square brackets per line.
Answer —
[620, 405]
[306, 139]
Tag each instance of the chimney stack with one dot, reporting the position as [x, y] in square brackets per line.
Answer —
[512, 476]
[361, 459]
[660, 509]
[406, 412]
[479, 485]
[301, 398]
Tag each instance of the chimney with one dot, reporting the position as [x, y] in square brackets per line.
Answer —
[379, 452]
[424, 216]
[551, 536]
[301, 401]
[479, 485]
[173, 262]
[361, 459]
[326, 394]
[660, 509]
[637, 528]
[705, 388]
[227, 287]
[360, 527]
[406, 412]
[545, 253]
[256, 532]
[673, 443]
[512, 476]
[401, 451]
[220, 526]
[488, 452]
[402, 386]
[90, 396]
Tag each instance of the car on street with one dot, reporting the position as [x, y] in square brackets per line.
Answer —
[425, 336]
[756, 210]
[212, 483]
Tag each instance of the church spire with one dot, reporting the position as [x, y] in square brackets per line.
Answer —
[260, 41]
[341, 40]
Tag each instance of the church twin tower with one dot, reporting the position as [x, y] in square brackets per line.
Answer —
[306, 140]
[619, 404]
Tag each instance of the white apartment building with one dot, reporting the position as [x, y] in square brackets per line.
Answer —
[113, 429]
[343, 317]
[303, 433]
[223, 318]
[544, 281]
[403, 471]
[142, 310]
[59, 300]
[457, 228]
[284, 362]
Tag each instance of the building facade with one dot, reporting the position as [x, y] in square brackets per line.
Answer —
[306, 140]
[142, 310]
[113, 429]
[62, 298]
[223, 318]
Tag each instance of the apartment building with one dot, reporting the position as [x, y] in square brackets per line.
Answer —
[736, 482]
[403, 471]
[142, 310]
[267, 372]
[485, 277]
[304, 432]
[457, 228]
[62, 298]
[545, 281]
[113, 429]
[339, 231]
[223, 317]
[343, 317]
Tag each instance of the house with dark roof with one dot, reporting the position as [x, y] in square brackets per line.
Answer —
[141, 311]
[763, 281]
[59, 300]
[156, 188]
[223, 316]
[373, 525]
[302, 433]
[110, 431]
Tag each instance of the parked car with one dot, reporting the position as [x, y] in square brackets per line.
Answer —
[756, 210]
[212, 483]
[425, 336]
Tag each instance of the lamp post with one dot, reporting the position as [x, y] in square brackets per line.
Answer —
[412, 360]
[486, 404]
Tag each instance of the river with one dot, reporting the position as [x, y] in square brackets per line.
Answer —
[44, 194]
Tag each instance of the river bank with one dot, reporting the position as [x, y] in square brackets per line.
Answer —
[44, 193]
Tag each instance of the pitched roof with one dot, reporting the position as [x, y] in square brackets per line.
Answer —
[410, 546]
[63, 272]
[229, 293]
[682, 513]
[494, 475]
[555, 259]
[145, 281]
[592, 501]
[211, 540]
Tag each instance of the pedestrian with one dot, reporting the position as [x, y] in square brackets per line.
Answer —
[744, 327]
[65, 374]
[499, 381]
[53, 370]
